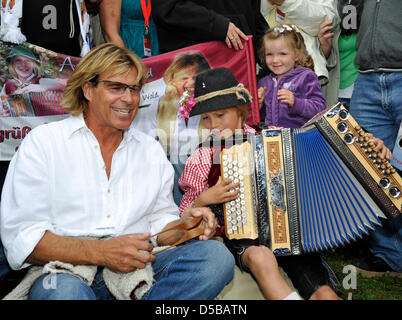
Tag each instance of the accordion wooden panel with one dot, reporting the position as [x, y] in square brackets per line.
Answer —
[30, 104]
[313, 188]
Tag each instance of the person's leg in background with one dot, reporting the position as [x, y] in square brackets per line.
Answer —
[376, 105]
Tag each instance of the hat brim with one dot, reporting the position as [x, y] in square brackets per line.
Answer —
[219, 102]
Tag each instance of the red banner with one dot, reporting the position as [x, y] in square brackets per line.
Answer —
[25, 105]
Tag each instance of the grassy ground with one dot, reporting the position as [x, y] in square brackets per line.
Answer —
[362, 287]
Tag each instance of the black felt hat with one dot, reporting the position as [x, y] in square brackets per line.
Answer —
[216, 89]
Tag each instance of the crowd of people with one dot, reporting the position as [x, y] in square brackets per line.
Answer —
[120, 198]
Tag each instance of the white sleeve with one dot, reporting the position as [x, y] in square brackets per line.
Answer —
[308, 14]
[165, 209]
[25, 202]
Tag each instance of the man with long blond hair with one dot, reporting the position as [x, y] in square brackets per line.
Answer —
[90, 192]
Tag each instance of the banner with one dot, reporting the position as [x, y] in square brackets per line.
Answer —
[32, 80]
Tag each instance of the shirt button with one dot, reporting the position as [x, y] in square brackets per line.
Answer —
[108, 190]
[95, 147]
[108, 216]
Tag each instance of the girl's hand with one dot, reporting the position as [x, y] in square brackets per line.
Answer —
[286, 96]
[219, 193]
[261, 95]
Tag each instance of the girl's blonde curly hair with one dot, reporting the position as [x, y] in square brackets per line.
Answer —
[293, 36]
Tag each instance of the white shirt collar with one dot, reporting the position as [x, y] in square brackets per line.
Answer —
[77, 123]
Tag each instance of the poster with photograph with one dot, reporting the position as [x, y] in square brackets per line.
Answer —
[32, 80]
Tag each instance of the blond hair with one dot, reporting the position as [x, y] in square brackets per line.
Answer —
[14, 73]
[104, 58]
[180, 62]
[293, 36]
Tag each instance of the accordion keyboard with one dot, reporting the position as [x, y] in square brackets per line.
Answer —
[240, 214]
[359, 143]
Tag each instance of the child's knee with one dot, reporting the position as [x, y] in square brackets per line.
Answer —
[258, 256]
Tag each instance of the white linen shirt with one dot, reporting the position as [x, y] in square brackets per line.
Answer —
[57, 182]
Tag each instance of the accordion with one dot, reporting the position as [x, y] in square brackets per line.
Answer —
[309, 189]
[31, 104]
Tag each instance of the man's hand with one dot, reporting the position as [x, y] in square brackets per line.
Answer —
[276, 2]
[126, 253]
[286, 96]
[325, 36]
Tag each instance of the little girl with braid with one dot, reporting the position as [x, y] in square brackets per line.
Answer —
[291, 94]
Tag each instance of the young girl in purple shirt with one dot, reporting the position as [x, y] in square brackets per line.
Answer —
[291, 94]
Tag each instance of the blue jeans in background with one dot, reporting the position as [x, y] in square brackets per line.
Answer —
[196, 270]
[4, 267]
[376, 105]
[178, 166]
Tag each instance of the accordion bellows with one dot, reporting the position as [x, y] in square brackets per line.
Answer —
[309, 189]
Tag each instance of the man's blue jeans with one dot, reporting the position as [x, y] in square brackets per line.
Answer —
[4, 267]
[197, 270]
[376, 105]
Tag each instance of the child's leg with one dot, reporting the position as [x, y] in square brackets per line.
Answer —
[262, 263]
[309, 276]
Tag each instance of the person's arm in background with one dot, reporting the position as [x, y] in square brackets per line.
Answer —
[193, 21]
[109, 14]
[308, 14]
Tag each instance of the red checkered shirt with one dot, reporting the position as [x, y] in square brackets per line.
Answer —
[194, 178]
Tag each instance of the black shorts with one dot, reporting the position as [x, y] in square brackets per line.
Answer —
[306, 271]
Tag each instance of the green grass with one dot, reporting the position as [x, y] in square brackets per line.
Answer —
[384, 287]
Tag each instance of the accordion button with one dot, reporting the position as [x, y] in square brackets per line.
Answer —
[342, 127]
[240, 164]
[224, 157]
[349, 138]
[343, 114]
[394, 192]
